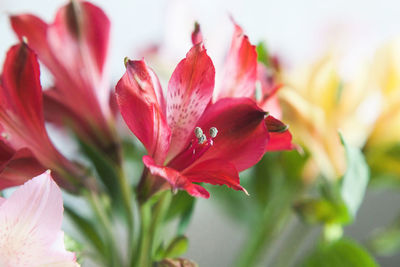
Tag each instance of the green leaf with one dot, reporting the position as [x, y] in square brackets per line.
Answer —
[355, 180]
[386, 241]
[177, 247]
[262, 54]
[340, 253]
[105, 169]
[87, 228]
[322, 211]
[74, 246]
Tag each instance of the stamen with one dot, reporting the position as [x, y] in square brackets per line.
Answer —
[202, 139]
[198, 132]
[213, 132]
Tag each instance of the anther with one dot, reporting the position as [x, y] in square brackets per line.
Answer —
[213, 132]
[202, 139]
[198, 132]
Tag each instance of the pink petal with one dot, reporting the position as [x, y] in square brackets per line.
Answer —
[140, 100]
[31, 222]
[242, 134]
[217, 172]
[189, 91]
[240, 69]
[175, 178]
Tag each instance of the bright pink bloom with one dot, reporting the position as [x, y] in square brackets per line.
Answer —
[25, 148]
[171, 127]
[240, 73]
[74, 48]
[30, 226]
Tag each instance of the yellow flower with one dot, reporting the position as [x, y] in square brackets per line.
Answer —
[317, 104]
[385, 137]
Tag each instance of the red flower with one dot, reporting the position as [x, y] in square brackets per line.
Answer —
[188, 139]
[240, 74]
[25, 148]
[74, 48]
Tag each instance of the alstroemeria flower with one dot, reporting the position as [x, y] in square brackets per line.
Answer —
[25, 147]
[30, 226]
[74, 48]
[241, 72]
[188, 139]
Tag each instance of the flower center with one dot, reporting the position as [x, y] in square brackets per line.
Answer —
[196, 148]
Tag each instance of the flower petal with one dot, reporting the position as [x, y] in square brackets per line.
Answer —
[197, 36]
[242, 134]
[139, 97]
[280, 141]
[189, 92]
[16, 167]
[175, 178]
[240, 69]
[31, 222]
[279, 136]
[74, 49]
[217, 172]
[21, 92]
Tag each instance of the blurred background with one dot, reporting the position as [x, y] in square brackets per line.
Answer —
[299, 32]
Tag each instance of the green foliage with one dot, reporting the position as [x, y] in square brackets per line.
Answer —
[73, 246]
[87, 228]
[338, 201]
[386, 241]
[105, 169]
[355, 180]
[340, 253]
[263, 54]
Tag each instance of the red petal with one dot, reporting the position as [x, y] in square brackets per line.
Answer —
[280, 137]
[139, 104]
[197, 37]
[21, 94]
[242, 134]
[74, 49]
[175, 178]
[189, 91]
[240, 69]
[16, 167]
[217, 172]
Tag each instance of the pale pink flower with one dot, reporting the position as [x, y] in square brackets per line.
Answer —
[30, 226]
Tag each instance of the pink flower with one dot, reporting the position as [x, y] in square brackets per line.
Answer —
[188, 139]
[30, 226]
[25, 147]
[240, 74]
[74, 48]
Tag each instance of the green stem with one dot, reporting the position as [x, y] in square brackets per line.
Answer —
[264, 230]
[143, 258]
[288, 252]
[152, 218]
[127, 199]
[98, 208]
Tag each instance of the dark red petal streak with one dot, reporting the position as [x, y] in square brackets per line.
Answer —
[140, 109]
[242, 134]
[175, 178]
[189, 91]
